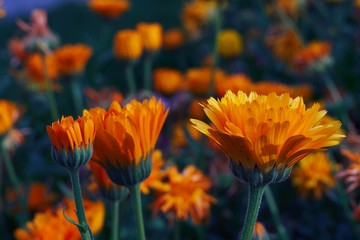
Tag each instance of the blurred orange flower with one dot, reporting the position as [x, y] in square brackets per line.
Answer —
[35, 71]
[265, 88]
[103, 97]
[259, 231]
[173, 38]
[186, 195]
[109, 8]
[9, 114]
[40, 197]
[2, 11]
[128, 44]
[351, 174]
[151, 35]
[290, 7]
[178, 136]
[196, 110]
[234, 83]
[167, 81]
[198, 79]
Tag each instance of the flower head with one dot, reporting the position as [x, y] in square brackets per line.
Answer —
[35, 71]
[198, 79]
[72, 59]
[265, 88]
[128, 45]
[351, 174]
[9, 114]
[230, 43]
[234, 83]
[173, 38]
[265, 135]
[151, 35]
[40, 197]
[167, 81]
[186, 195]
[109, 8]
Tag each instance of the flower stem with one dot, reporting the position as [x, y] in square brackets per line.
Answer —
[215, 54]
[334, 92]
[177, 230]
[80, 212]
[49, 91]
[115, 220]
[10, 169]
[130, 78]
[77, 94]
[254, 200]
[136, 199]
[147, 72]
[275, 214]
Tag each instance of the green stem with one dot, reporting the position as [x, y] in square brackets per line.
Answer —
[130, 78]
[287, 21]
[148, 72]
[275, 214]
[49, 91]
[80, 212]
[115, 220]
[218, 26]
[177, 230]
[10, 169]
[334, 92]
[77, 94]
[136, 199]
[254, 200]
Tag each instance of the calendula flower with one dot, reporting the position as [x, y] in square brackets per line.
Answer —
[154, 181]
[72, 141]
[234, 83]
[265, 88]
[351, 174]
[313, 175]
[173, 39]
[35, 71]
[128, 45]
[103, 97]
[151, 35]
[186, 195]
[109, 8]
[40, 197]
[72, 59]
[126, 138]
[9, 114]
[265, 135]
[167, 81]
[230, 43]
[197, 80]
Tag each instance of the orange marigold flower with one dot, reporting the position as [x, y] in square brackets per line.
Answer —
[154, 181]
[109, 8]
[179, 137]
[186, 195]
[72, 59]
[151, 35]
[265, 88]
[313, 175]
[351, 174]
[128, 44]
[234, 83]
[167, 81]
[230, 43]
[290, 7]
[126, 138]
[265, 135]
[35, 71]
[9, 114]
[39, 197]
[173, 38]
[198, 79]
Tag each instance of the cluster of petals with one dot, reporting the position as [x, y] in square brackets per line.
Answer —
[351, 175]
[9, 114]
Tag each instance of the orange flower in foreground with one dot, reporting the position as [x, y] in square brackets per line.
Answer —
[265, 88]
[34, 68]
[72, 59]
[167, 81]
[109, 8]
[126, 138]
[315, 53]
[9, 114]
[128, 45]
[234, 83]
[266, 134]
[186, 195]
[351, 174]
[173, 38]
[151, 35]
[198, 79]
[313, 175]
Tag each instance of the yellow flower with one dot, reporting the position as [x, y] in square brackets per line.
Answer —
[167, 81]
[230, 43]
[128, 45]
[109, 8]
[173, 38]
[265, 135]
[72, 59]
[234, 83]
[313, 175]
[198, 79]
[151, 35]
[9, 114]
[186, 195]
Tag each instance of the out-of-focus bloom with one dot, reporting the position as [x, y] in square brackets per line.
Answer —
[104, 97]
[313, 175]
[196, 110]
[15, 138]
[151, 35]
[290, 7]
[72, 141]
[39, 197]
[108, 189]
[2, 11]
[314, 56]
[179, 137]
[44, 223]
[234, 83]
[156, 176]
[265, 88]
[35, 71]
[9, 114]
[260, 232]
[351, 174]
[167, 81]
[126, 138]
[17, 50]
[198, 79]
[284, 44]
[265, 135]
[72, 59]
[109, 8]
[128, 45]
[230, 43]
[173, 38]
[186, 195]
